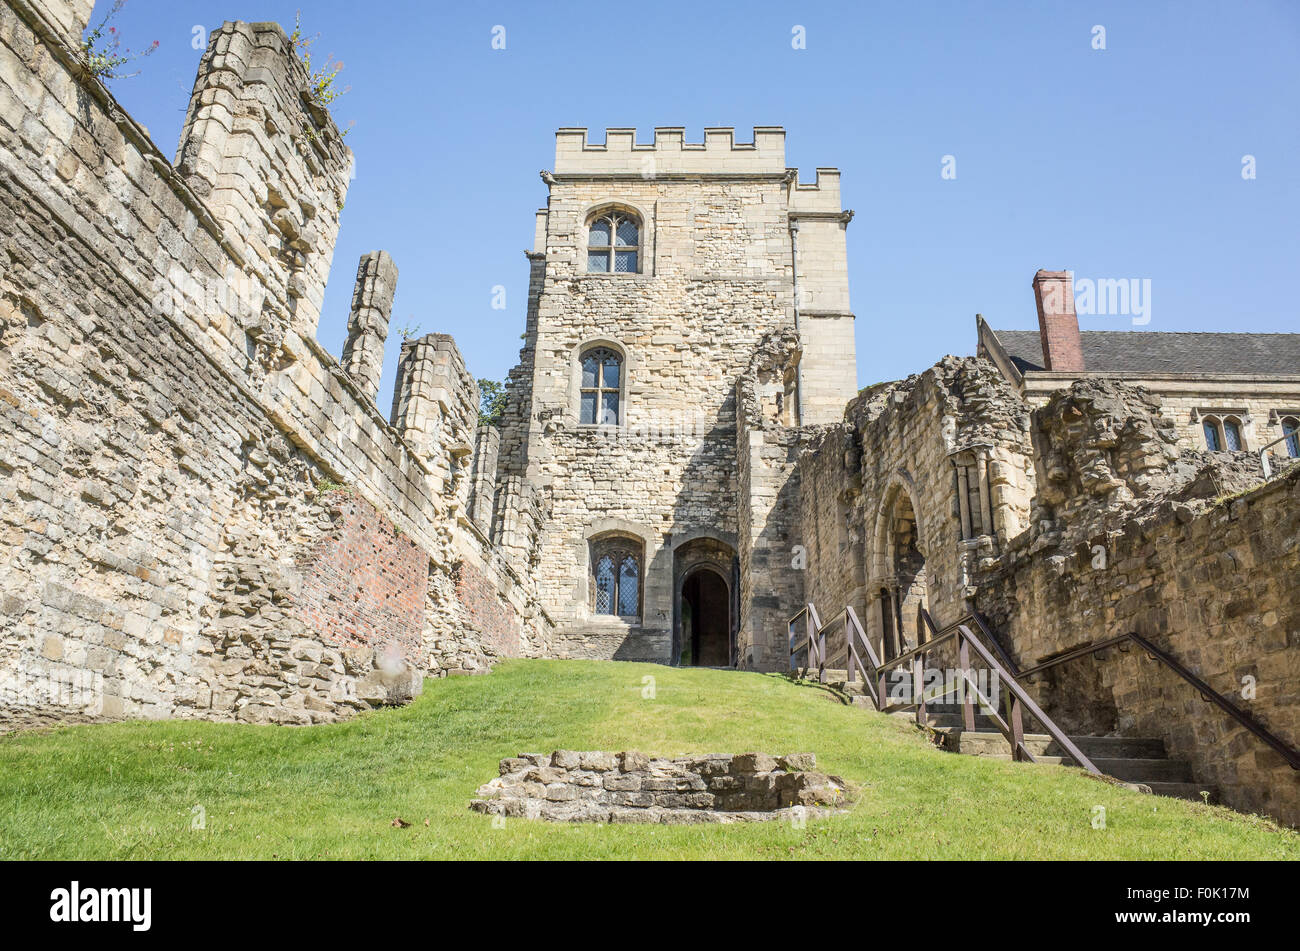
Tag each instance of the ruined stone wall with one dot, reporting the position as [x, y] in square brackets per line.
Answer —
[772, 561]
[1135, 533]
[830, 479]
[926, 478]
[170, 422]
[363, 582]
[1259, 403]
[631, 787]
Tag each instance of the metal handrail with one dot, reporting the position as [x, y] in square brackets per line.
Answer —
[1012, 728]
[1264, 453]
[1208, 693]
[1008, 672]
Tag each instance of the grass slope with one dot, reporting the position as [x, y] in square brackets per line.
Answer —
[127, 790]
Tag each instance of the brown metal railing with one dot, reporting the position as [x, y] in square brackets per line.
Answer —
[1208, 693]
[1016, 700]
[875, 675]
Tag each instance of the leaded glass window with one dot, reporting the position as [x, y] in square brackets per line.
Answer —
[614, 244]
[628, 587]
[605, 586]
[1211, 428]
[1232, 435]
[602, 371]
[1222, 433]
[1291, 429]
[616, 577]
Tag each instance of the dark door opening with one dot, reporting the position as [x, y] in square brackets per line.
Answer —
[706, 621]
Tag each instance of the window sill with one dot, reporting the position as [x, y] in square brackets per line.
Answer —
[613, 620]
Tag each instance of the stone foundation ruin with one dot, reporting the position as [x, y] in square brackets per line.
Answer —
[633, 787]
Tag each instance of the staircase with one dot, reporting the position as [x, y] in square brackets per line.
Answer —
[1135, 761]
[1140, 761]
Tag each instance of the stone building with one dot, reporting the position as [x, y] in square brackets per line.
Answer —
[1073, 487]
[1224, 391]
[203, 513]
[659, 269]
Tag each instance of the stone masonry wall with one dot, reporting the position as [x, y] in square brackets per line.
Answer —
[881, 513]
[771, 567]
[716, 275]
[169, 418]
[1135, 533]
[631, 787]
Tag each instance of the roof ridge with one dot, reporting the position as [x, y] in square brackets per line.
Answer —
[1168, 333]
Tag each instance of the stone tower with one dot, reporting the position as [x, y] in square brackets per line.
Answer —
[657, 274]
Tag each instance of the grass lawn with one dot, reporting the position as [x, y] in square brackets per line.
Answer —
[127, 790]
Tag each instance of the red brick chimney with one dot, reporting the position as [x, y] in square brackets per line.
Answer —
[1057, 322]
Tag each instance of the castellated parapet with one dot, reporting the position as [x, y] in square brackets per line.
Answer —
[202, 513]
[670, 153]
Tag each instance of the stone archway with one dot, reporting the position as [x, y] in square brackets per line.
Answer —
[705, 572]
[902, 578]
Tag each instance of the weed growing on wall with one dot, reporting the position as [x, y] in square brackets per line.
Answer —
[102, 50]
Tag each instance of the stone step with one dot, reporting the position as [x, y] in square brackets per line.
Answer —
[986, 742]
[1140, 761]
[833, 677]
[1190, 791]
[1147, 771]
[952, 721]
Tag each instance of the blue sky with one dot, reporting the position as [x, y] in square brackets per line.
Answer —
[1117, 164]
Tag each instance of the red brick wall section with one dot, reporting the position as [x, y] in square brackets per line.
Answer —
[364, 584]
[482, 610]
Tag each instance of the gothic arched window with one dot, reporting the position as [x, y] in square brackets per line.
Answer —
[1210, 426]
[1232, 435]
[616, 577]
[613, 243]
[602, 378]
[1291, 430]
[1222, 433]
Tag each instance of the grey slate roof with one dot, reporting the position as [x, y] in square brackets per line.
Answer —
[1137, 351]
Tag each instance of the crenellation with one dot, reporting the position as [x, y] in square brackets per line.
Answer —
[669, 154]
[821, 196]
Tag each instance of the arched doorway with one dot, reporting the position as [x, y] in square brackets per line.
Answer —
[706, 620]
[705, 583]
[903, 576]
